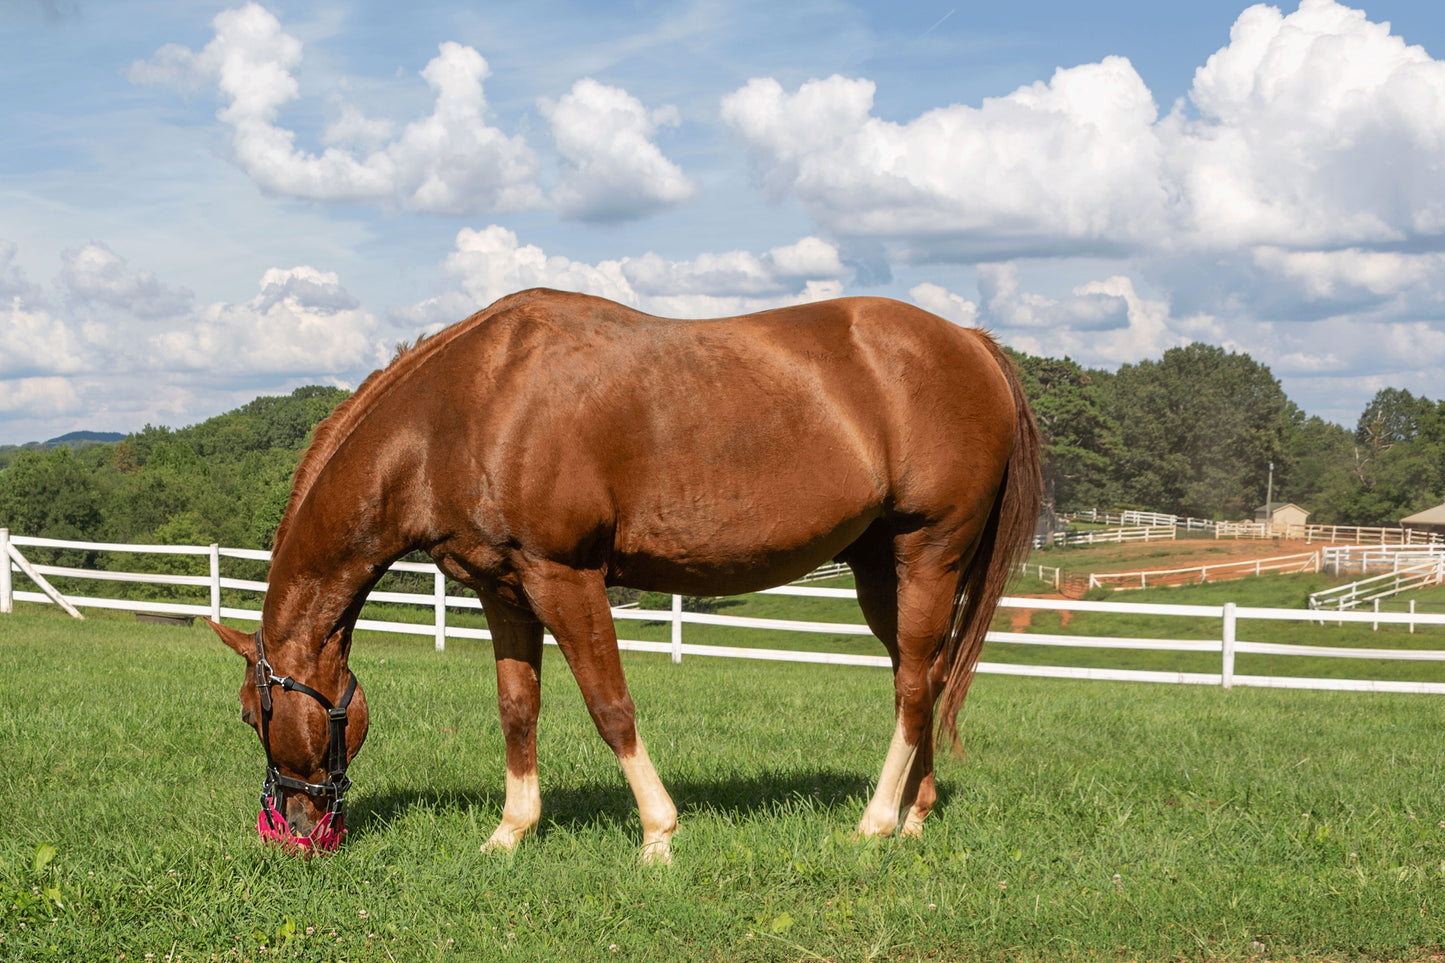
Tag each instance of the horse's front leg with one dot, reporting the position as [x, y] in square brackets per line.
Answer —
[517, 642]
[573, 604]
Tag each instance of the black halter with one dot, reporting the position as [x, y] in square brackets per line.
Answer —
[336, 784]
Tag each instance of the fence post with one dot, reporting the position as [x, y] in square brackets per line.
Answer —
[676, 629]
[1412, 616]
[439, 584]
[7, 589]
[1227, 672]
[215, 582]
[7, 592]
[1377, 607]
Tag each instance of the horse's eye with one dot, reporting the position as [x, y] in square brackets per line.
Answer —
[248, 717]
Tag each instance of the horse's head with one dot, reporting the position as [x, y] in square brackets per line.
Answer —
[311, 719]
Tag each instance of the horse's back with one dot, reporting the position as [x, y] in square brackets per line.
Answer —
[738, 449]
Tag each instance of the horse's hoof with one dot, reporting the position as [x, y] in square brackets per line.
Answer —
[875, 828]
[657, 853]
[504, 840]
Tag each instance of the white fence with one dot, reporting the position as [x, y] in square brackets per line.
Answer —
[1129, 519]
[1376, 559]
[1220, 571]
[1228, 646]
[1106, 536]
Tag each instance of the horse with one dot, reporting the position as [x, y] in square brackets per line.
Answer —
[554, 444]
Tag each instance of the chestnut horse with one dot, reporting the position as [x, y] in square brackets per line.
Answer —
[554, 444]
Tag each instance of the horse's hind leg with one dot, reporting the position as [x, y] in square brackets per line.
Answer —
[919, 792]
[574, 606]
[923, 603]
[517, 642]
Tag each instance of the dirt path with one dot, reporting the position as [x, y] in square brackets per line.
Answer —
[1077, 563]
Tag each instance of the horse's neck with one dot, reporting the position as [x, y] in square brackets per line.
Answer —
[318, 585]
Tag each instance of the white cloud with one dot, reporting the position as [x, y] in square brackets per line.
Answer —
[12, 279]
[490, 263]
[34, 341]
[1006, 306]
[39, 397]
[449, 162]
[611, 169]
[302, 322]
[96, 273]
[1104, 322]
[944, 303]
[1316, 129]
[1072, 161]
[1328, 275]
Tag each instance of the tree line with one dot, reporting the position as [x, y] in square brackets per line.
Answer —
[1192, 433]
[1196, 432]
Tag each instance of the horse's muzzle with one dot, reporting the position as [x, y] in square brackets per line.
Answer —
[325, 836]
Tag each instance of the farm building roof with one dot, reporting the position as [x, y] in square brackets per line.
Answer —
[1430, 516]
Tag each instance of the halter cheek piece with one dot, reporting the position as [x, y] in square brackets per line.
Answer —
[336, 784]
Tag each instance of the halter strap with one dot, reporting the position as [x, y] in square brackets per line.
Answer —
[336, 782]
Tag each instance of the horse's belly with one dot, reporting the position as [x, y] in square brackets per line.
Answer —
[735, 542]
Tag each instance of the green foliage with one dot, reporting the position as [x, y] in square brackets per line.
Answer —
[1081, 437]
[1198, 429]
[224, 480]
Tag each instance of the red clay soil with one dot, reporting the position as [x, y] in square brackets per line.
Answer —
[1150, 557]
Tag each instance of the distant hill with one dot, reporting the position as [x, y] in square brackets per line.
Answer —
[74, 439]
[85, 437]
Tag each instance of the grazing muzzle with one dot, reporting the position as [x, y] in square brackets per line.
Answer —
[271, 824]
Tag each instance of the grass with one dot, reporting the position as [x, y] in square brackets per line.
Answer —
[1088, 821]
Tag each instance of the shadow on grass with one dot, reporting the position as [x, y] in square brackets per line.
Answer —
[594, 805]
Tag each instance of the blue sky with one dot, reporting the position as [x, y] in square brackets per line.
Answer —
[202, 202]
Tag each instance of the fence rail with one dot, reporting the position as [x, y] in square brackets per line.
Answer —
[1228, 646]
[1106, 536]
[1222, 571]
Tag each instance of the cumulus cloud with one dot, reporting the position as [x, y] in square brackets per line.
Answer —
[12, 279]
[490, 263]
[611, 168]
[1091, 306]
[944, 303]
[38, 397]
[95, 273]
[1100, 323]
[302, 321]
[449, 162]
[1352, 273]
[1314, 129]
[34, 341]
[1076, 160]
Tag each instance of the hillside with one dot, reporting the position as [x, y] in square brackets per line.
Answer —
[225, 479]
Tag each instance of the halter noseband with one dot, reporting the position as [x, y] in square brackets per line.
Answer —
[336, 784]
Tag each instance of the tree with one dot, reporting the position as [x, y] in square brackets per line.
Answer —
[1198, 429]
[1398, 459]
[51, 494]
[1080, 438]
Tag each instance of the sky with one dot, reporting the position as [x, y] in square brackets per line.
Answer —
[203, 202]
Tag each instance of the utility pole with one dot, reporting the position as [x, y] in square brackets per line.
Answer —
[1269, 493]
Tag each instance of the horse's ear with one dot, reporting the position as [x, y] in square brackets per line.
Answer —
[242, 644]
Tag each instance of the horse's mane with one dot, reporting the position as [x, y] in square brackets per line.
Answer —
[338, 426]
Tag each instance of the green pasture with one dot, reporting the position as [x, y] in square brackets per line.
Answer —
[1086, 821]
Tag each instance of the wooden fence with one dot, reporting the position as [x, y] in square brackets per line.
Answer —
[1227, 646]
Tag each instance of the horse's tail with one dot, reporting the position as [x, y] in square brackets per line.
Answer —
[1006, 538]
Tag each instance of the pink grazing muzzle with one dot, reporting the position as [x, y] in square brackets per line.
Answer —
[271, 824]
[324, 837]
